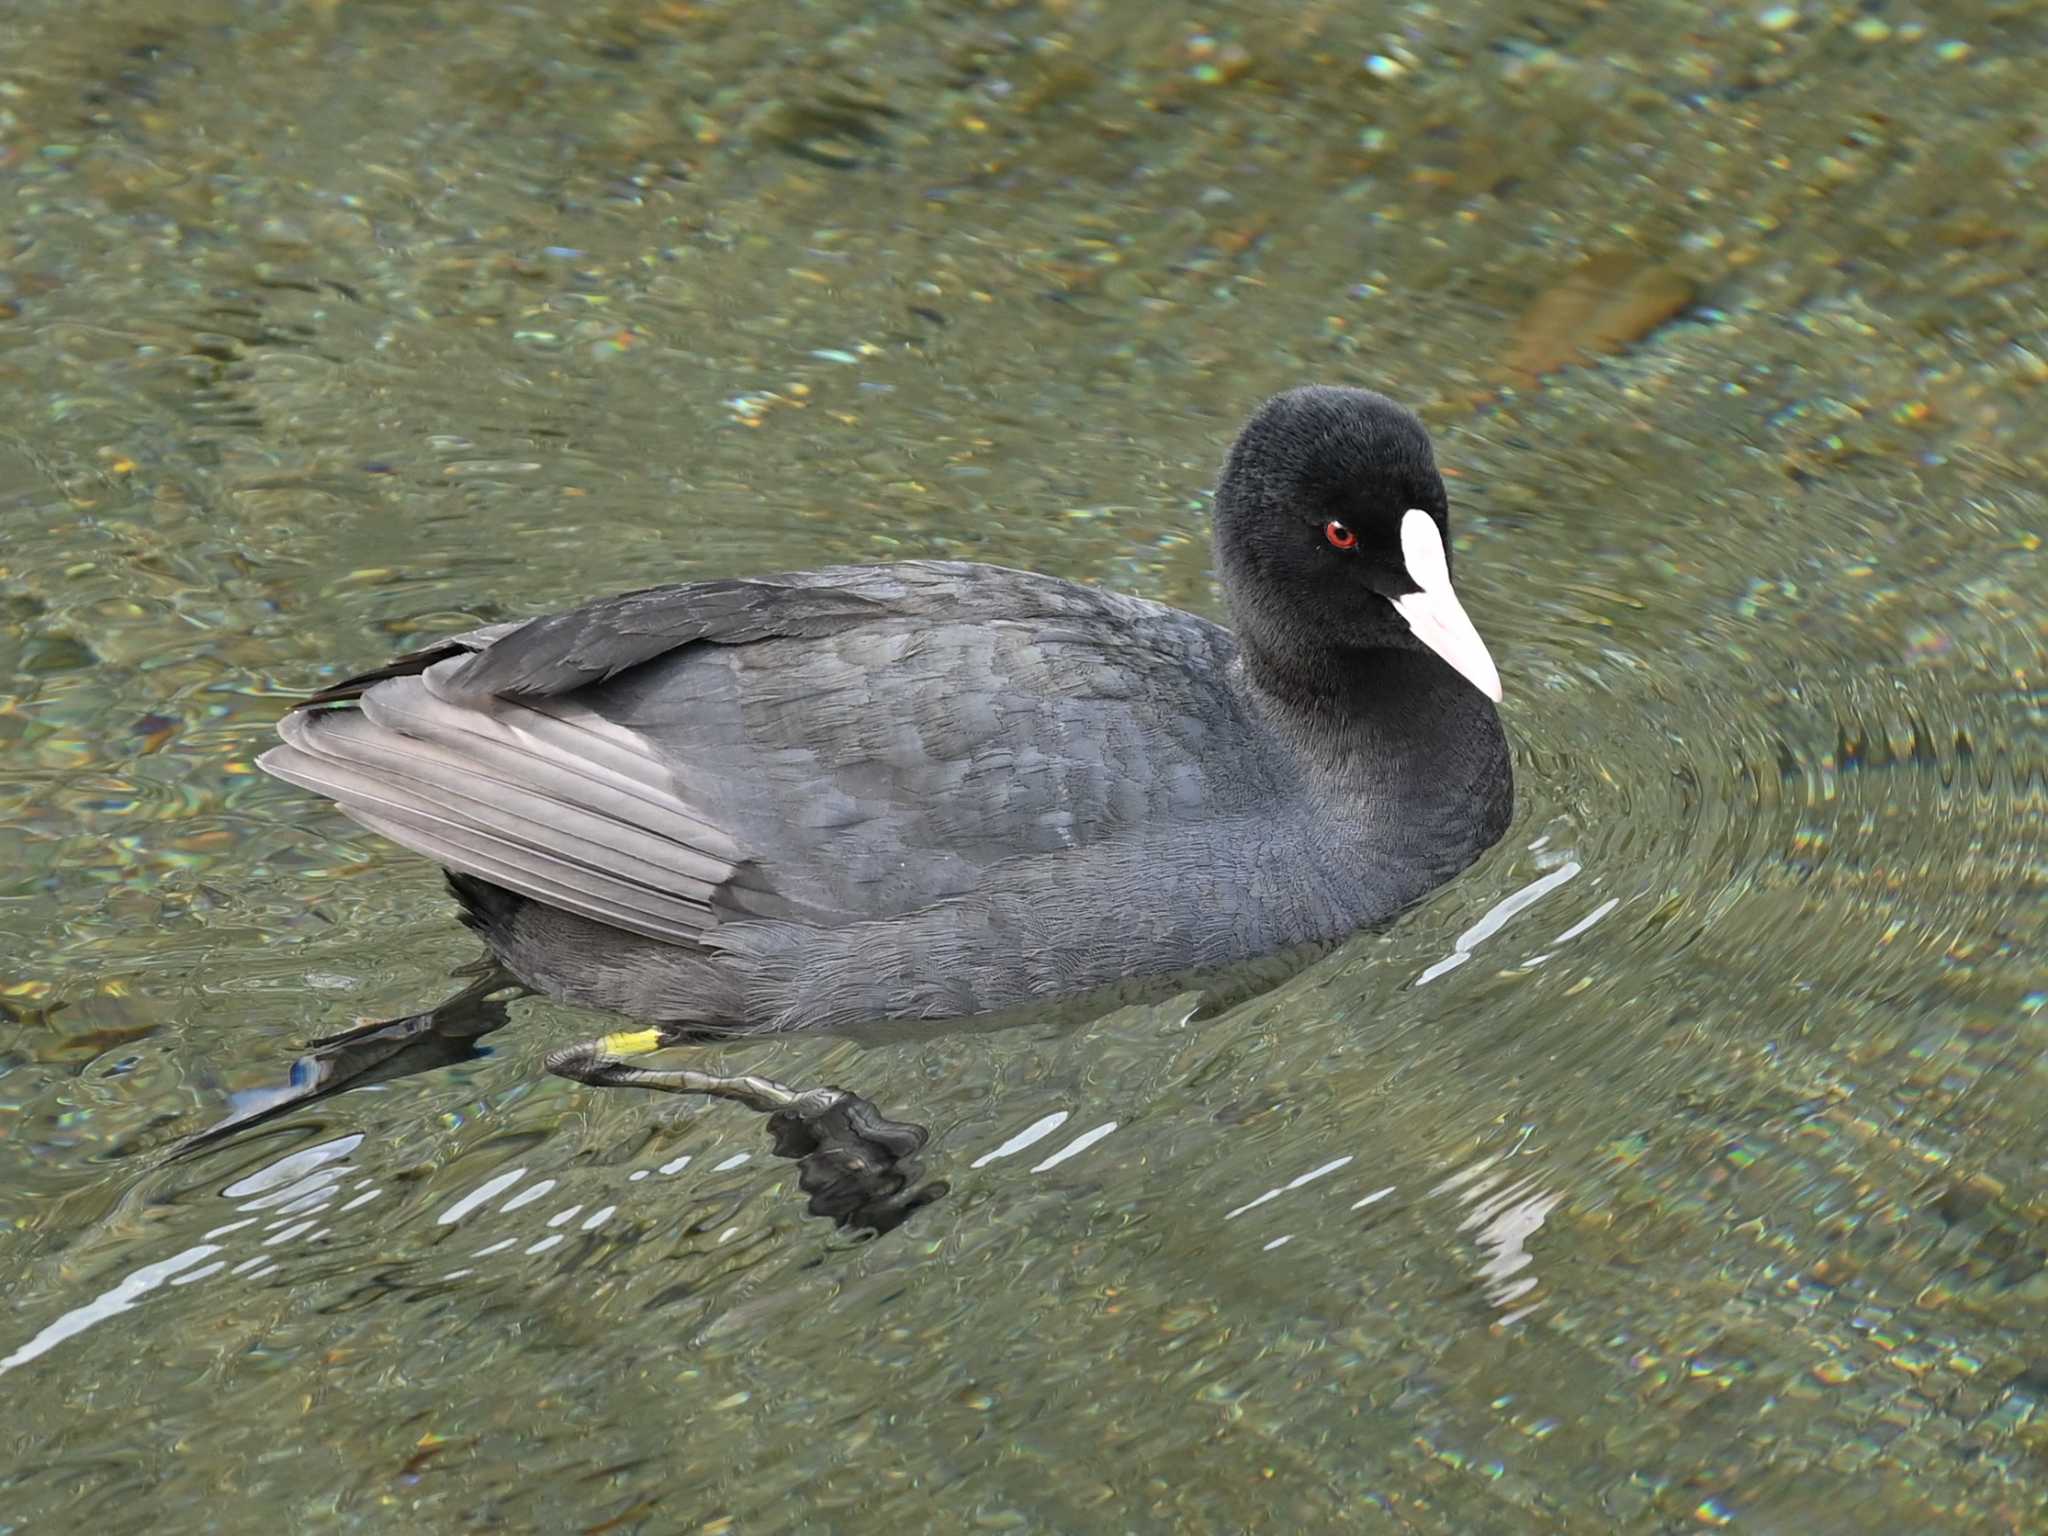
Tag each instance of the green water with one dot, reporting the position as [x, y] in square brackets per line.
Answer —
[1709, 1188]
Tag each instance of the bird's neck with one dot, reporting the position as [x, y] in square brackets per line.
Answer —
[1392, 735]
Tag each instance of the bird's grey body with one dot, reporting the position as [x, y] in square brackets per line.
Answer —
[935, 789]
[909, 791]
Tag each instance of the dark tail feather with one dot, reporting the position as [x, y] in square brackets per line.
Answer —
[411, 664]
[487, 909]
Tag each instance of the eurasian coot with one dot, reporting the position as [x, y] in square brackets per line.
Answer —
[935, 789]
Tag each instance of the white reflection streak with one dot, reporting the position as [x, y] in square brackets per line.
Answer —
[1465, 1176]
[1497, 917]
[1294, 1183]
[526, 1196]
[109, 1303]
[1588, 920]
[1506, 1214]
[295, 1166]
[1076, 1147]
[489, 1190]
[319, 1186]
[1036, 1131]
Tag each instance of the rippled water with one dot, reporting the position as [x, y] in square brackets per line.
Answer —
[1679, 1166]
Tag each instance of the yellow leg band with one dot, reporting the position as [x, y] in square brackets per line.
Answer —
[636, 1042]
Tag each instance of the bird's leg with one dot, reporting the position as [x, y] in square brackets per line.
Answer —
[606, 1063]
[854, 1163]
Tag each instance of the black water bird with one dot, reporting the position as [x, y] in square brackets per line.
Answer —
[937, 789]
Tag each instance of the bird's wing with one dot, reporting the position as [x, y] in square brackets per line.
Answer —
[832, 747]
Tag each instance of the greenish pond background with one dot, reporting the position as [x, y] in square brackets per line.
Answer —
[1682, 1166]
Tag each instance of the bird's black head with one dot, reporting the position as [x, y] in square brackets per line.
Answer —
[1333, 535]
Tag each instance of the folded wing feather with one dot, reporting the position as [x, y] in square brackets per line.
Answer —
[550, 801]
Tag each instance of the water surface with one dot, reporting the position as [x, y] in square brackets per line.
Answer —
[1680, 1166]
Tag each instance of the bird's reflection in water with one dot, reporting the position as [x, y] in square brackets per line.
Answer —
[855, 1165]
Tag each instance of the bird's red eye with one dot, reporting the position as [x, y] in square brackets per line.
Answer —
[1339, 535]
